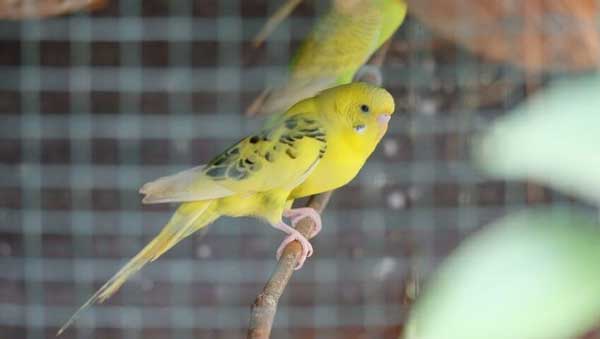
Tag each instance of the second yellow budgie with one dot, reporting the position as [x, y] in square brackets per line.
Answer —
[319, 144]
[339, 44]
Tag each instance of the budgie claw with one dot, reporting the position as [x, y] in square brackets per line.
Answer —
[293, 235]
[297, 214]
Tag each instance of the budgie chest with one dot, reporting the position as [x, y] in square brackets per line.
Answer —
[340, 164]
[264, 205]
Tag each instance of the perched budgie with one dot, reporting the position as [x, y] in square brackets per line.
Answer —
[340, 43]
[318, 145]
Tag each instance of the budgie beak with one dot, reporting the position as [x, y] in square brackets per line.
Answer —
[383, 119]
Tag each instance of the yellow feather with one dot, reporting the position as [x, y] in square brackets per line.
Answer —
[188, 218]
[188, 185]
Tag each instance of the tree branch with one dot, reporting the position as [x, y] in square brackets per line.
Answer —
[265, 305]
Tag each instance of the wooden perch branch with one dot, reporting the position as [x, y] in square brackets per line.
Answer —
[265, 305]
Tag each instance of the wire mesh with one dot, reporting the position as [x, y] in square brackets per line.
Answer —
[95, 104]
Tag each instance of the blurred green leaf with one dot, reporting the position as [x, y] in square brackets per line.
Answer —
[553, 139]
[535, 275]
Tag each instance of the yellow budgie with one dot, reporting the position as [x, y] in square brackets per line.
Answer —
[319, 144]
[340, 43]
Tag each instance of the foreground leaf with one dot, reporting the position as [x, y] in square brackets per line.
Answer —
[535, 275]
[554, 139]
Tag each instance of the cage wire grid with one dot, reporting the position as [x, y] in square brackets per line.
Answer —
[95, 104]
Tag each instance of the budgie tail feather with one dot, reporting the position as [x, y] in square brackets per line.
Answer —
[189, 218]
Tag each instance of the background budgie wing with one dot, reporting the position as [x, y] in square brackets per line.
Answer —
[277, 157]
[329, 56]
[278, 100]
[339, 44]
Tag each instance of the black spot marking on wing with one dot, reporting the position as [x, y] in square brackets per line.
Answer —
[232, 165]
[217, 172]
[322, 151]
[297, 129]
[269, 157]
[237, 173]
[291, 123]
[284, 139]
[318, 136]
[219, 161]
[291, 153]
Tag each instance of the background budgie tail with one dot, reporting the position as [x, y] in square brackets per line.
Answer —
[276, 18]
[188, 218]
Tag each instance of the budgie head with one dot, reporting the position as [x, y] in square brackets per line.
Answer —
[358, 110]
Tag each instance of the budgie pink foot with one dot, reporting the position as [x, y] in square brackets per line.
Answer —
[297, 214]
[307, 249]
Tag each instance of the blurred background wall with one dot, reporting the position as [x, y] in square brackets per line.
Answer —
[92, 105]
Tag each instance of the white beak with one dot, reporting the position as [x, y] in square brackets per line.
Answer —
[384, 118]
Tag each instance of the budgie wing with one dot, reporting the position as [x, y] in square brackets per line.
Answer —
[339, 44]
[275, 101]
[280, 156]
[188, 185]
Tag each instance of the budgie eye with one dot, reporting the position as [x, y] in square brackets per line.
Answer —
[360, 128]
[364, 108]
